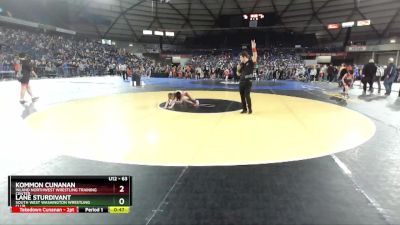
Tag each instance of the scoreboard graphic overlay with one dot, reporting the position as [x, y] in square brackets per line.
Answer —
[69, 194]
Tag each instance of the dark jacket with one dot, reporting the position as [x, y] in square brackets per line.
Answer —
[331, 70]
[390, 72]
[369, 70]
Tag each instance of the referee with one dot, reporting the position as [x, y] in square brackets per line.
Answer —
[245, 71]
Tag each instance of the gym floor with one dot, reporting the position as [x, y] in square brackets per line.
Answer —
[305, 156]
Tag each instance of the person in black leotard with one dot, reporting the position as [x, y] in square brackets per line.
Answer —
[26, 71]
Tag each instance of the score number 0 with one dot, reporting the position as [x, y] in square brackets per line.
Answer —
[121, 200]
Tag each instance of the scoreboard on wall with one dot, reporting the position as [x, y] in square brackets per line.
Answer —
[70, 194]
[253, 18]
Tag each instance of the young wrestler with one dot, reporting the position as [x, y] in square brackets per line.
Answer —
[180, 97]
[347, 81]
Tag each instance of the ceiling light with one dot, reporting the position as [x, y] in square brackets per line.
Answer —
[169, 34]
[147, 32]
[159, 33]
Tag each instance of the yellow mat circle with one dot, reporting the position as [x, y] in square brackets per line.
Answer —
[132, 128]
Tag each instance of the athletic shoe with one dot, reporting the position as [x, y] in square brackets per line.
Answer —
[197, 103]
[250, 111]
[22, 101]
[243, 112]
[34, 99]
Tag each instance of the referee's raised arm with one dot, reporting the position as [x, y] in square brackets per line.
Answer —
[254, 50]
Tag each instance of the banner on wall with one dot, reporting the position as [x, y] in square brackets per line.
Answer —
[357, 48]
[310, 62]
[324, 59]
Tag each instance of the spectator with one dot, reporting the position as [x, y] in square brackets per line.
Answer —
[378, 78]
[313, 73]
[390, 76]
[330, 72]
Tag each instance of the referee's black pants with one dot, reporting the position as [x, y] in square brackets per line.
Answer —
[245, 88]
[124, 75]
[367, 80]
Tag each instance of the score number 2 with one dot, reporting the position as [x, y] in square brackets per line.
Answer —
[121, 201]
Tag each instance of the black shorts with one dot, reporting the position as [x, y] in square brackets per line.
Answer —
[24, 80]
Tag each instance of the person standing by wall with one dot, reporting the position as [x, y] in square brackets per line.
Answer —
[390, 76]
[378, 77]
[313, 73]
[112, 68]
[330, 72]
[17, 67]
[122, 69]
[129, 72]
[398, 80]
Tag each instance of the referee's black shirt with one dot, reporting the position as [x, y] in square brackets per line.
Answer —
[26, 70]
[246, 71]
